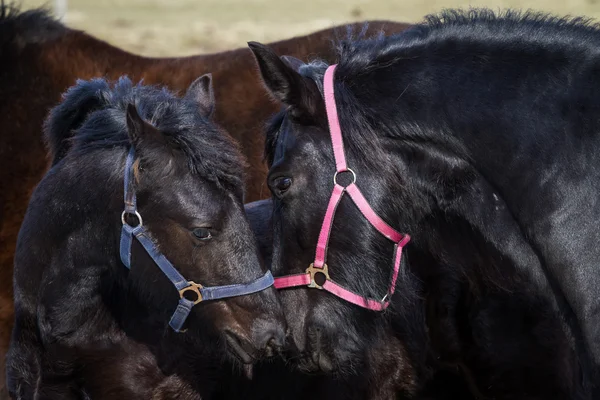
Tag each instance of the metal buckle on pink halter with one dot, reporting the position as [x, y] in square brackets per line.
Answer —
[317, 274]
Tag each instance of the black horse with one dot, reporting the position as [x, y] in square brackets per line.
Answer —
[476, 134]
[87, 326]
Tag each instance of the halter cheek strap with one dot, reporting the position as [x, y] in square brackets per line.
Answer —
[198, 292]
[317, 274]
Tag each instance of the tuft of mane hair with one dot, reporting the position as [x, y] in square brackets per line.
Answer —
[92, 116]
[478, 24]
[64, 119]
[19, 28]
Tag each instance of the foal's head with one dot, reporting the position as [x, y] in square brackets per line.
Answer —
[187, 177]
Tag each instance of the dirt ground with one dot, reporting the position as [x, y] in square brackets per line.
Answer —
[185, 27]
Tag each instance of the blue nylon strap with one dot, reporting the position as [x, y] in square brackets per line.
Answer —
[129, 192]
[208, 293]
[184, 306]
[181, 313]
[126, 239]
[240, 289]
[165, 266]
[218, 292]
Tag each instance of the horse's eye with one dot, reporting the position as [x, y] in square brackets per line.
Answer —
[281, 185]
[202, 233]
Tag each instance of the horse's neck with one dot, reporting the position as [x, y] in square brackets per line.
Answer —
[546, 170]
[548, 199]
[483, 208]
[469, 293]
[531, 156]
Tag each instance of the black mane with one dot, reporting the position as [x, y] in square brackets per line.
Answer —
[479, 25]
[94, 113]
[31, 26]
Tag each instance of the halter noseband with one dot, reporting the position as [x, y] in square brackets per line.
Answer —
[182, 285]
[317, 274]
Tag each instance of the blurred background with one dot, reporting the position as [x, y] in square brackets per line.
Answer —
[186, 27]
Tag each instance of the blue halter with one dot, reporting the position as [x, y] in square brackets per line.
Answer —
[181, 284]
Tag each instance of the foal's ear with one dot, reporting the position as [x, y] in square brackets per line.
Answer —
[140, 130]
[201, 91]
[285, 83]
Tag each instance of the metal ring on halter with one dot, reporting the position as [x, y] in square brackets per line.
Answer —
[137, 214]
[346, 170]
[195, 288]
[312, 271]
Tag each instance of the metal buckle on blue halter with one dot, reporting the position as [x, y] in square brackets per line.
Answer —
[182, 285]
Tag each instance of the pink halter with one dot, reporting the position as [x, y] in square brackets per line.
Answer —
[317, 274]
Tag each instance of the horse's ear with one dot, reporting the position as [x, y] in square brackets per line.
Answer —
[284, 82]
[201, 91]
[293, 62]
[148, 141]
[140, 130]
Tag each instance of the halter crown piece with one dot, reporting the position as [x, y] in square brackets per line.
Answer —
[183, 286]
[317, 274]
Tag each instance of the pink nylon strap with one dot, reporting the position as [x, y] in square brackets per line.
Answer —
[371, 216]
[287, 281]
[283, 282]
[363, 205]
[336, 196]
[354, 298]
[334, 122]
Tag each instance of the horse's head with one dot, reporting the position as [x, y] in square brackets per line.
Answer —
[330, 333]
[187, 176]
[388, 187]
[341, 209]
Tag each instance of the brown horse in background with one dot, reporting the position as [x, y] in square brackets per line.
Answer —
[40, 58]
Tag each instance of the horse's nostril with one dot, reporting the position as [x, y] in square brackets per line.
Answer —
[277, 345]
[322, 361]
[273, 348]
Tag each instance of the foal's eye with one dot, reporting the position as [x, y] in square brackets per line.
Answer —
[202, 233]
[281, 185]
